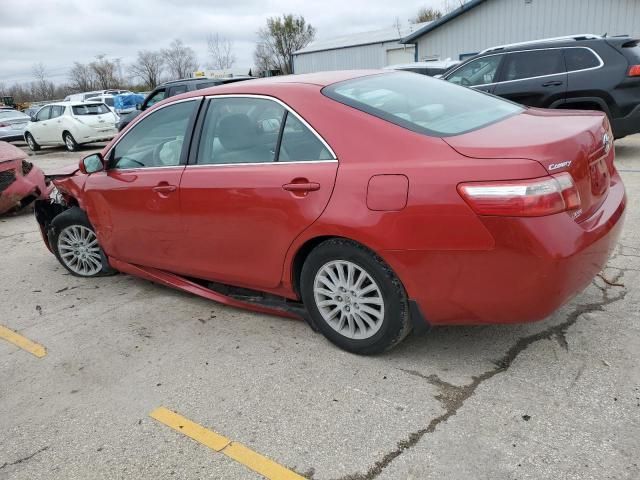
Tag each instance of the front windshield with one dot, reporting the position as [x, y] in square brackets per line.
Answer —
[422, 104]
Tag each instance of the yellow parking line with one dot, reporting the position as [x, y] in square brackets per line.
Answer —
[236, 451]
[22, 342]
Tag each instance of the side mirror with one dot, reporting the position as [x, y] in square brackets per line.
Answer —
[33, 118]
[138, 106]
[91, 164]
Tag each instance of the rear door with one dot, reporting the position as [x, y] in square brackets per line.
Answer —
[258, 176]
[536, 78]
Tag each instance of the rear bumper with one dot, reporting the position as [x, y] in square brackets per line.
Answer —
[12, 137]
[627, 125]
[537, 265]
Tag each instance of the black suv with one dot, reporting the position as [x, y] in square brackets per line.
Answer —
[586, 72]
[175, 87]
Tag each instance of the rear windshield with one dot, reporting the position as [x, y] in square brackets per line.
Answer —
[421, 103]
[90, 109]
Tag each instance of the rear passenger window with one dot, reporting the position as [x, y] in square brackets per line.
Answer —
[536, 63]
[580, 59]
[240, 130]
[300, 144]
[177, 90]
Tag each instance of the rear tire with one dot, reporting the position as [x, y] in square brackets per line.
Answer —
[354, 297]
[33, 145]
[69, 142]
[76, 246]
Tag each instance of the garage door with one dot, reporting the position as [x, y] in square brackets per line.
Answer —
[400, 55]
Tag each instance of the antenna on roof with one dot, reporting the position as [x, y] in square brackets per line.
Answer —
[605, 35]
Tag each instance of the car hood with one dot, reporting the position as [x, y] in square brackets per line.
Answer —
[62, 172]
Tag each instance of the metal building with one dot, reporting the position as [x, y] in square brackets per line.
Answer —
[375, 49]
[481, 24]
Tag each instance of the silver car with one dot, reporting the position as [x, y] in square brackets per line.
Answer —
[12, 125]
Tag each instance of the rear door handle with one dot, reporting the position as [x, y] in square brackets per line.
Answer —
[301, 187]
[554, 83]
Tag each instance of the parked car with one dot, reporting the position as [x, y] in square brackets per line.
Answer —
[70, 124]
[431, 68]
[12, 124]
[175, 87]
[107, 99]
[84, 96]
[585, 72]
[369, 204]
[21, 182]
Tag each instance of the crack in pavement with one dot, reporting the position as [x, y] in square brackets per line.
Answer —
[453, 397]
[24, 459]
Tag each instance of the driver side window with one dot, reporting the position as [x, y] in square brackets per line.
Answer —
[156, 141]
[477, 72]
[44, 114]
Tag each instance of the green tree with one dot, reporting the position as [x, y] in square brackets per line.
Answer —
[279, 39]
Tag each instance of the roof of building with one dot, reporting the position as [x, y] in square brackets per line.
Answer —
[362, 38]
[442, 20]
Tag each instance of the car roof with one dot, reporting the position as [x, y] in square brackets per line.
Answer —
[431, 64]
[70, 103]
[558, 42]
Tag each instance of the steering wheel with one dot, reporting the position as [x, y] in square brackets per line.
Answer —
[465, 82]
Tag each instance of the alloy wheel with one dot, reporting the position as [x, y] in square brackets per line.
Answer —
[349, 299]
[79, 250]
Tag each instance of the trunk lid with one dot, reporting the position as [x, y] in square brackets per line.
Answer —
[578, 142]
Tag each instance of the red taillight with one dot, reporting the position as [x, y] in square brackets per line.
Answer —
[634, 71]
[522, 198]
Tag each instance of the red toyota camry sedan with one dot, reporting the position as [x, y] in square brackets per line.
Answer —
[368, 203]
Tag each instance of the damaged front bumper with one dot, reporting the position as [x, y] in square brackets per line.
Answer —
[21, 183]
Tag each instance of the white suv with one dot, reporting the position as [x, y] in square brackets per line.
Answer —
[71, 124]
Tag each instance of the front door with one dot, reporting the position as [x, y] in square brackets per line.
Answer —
[41, 128]
[536, 78]
[259, 177]
[134, 205]
[479, 74]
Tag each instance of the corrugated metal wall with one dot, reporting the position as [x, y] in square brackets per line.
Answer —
[497, 22]
[365, 56]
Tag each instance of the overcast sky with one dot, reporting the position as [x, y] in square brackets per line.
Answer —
[59, 32]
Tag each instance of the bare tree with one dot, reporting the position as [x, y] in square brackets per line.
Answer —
[82, 77]
[180, 59]
[148, 67]
[451, 5]
[279, 39]
[221, 52]
[42, 88]
[426, 14]
[105, 72]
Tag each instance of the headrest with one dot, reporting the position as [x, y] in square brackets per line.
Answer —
[237, 132]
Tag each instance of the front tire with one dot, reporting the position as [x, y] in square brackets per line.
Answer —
[33, 145]
[69, 142]
[354, 297]
[76, 246]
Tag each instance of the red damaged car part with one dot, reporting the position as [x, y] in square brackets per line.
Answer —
[21, 182]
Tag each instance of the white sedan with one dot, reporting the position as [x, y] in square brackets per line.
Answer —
[71, 124]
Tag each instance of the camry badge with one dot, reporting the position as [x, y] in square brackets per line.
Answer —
[556, 166]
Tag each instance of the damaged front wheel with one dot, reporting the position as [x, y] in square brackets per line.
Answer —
[76, 246]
